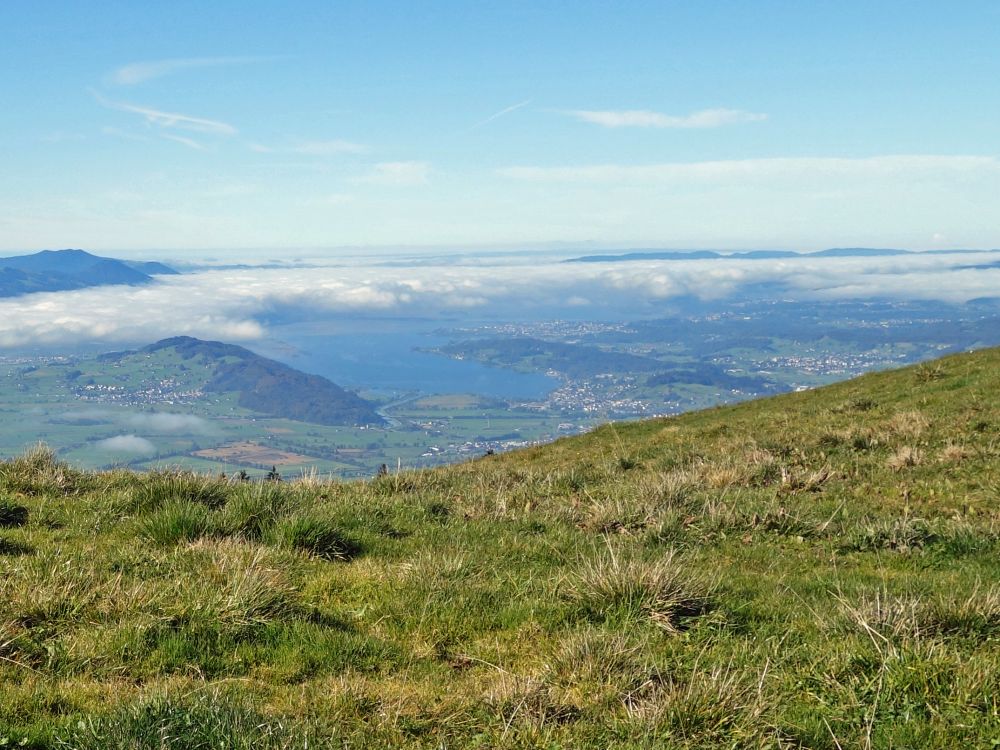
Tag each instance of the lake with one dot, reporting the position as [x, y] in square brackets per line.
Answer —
[383, 356]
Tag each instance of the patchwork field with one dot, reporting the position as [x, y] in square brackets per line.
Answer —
[253, 454]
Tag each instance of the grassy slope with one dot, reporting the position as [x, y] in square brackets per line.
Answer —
[814, 570]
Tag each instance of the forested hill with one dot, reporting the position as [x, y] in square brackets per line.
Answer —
[269, 387]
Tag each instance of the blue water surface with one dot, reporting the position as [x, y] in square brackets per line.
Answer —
[386, 357]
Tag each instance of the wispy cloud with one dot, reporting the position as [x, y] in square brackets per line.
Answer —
[399, 173]
[923, 166]
[501, 113]
[189, 142]
[171, 120]
[140, 72]
[641, 118]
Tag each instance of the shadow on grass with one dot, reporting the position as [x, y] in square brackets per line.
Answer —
[14, 549]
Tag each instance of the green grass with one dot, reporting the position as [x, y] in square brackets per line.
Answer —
[817, 570]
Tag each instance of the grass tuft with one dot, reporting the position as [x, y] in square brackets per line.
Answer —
[621, 586]
[198, 722]
[161, 487]
[898, 618]
[38, 472]
[905, 458]
[253, 509]
[712, 707]
[175, 522]
[314, 535]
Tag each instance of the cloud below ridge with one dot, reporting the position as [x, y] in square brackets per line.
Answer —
[230, 304]
[126, 444]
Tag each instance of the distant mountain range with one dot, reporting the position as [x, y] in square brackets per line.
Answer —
[63, 270]
[263, 385]
[834, 252]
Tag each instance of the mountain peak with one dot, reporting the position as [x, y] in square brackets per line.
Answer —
[71, 268]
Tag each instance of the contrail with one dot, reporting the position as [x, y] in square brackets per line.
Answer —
[501, 113]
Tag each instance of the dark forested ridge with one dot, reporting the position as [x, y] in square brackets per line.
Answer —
[64, 270]
[271, 388]
[574, 360]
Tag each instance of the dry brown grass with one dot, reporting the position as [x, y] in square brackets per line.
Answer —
[908, 425]
[904, 458]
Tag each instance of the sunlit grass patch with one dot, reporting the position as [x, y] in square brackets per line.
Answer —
[176, 521]
[162, 487]
[895, 618]
[617, 584]
[756, 579]
[905, 457]
[205, 719]
[709, 707]
[252, 510]
[38, 471]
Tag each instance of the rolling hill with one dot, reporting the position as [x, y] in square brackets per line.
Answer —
[63, 270]
[263, 385]
[813, 570]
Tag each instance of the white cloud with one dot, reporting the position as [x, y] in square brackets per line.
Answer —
[140, 72]
[166, 422]
[173, 120]
[782, 168]
[227, 304]
[399, 173]
[641, 118]
[126, 444]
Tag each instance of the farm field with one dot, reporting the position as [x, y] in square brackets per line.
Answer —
[155, 416]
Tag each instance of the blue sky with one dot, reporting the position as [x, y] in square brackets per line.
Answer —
[141, 127]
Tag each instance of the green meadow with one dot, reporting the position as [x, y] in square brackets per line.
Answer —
[814, 570]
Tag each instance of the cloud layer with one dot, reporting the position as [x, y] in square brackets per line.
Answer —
[168, 423]
[126, 444]
[234, 304]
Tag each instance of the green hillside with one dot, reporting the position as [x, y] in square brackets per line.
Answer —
[261, 385]
[814, 570]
